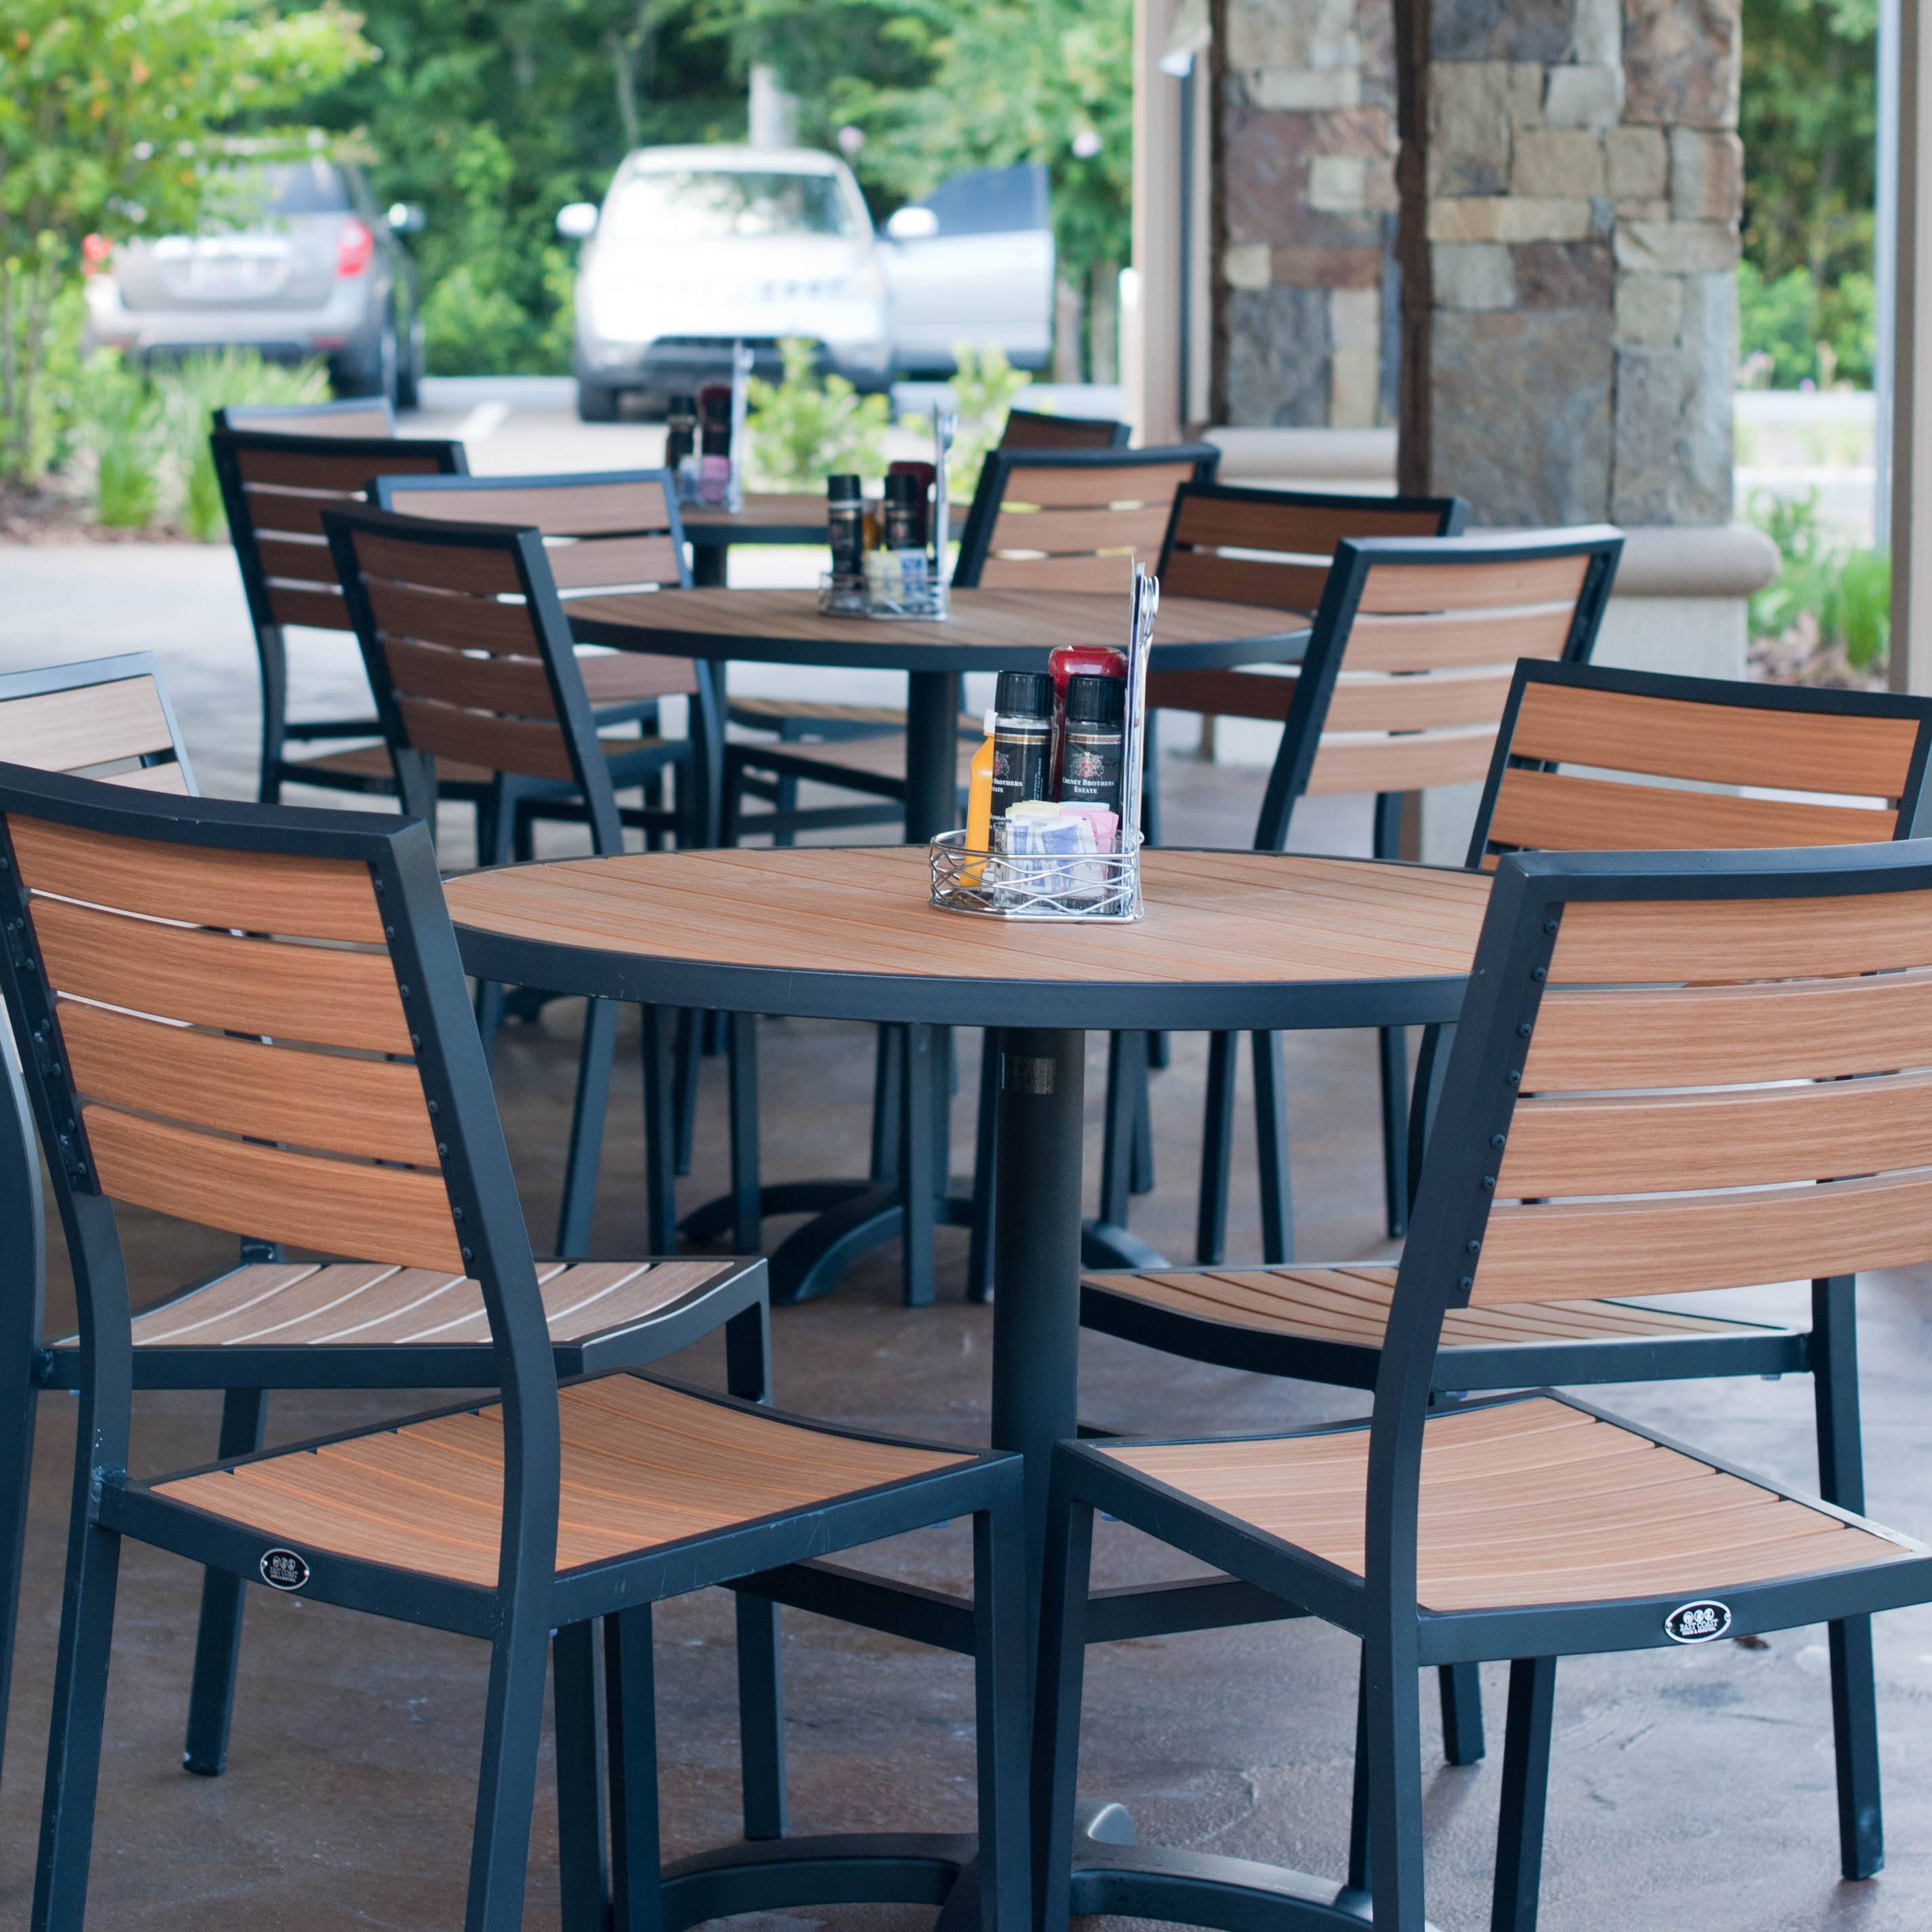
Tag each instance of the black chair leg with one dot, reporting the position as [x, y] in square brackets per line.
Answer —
[1462, 1685]
[1532, 1694]
[586, 1127]
[492, 996]
[742, 1071]
[499, 1853]
[660, 1134]
[917, 1175]
[1271, 1149]
[630, 1688]
[786, 802]
[1392, 1043]
[1063, 1664]
[1394, 1755]
[582, 1873]
[979, 1251]
[1000, 1678]
[1835, 1381]
[1217, 1140]
[73, 1742]
[217, 1644]
[761, 1742]
[1358, 1804]
[1140, 1178]
[1127, 1056]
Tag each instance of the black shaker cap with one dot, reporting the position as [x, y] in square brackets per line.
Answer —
[1096, 700]
[1024, 694]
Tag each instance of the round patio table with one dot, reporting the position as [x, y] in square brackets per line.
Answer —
[768, 516]
[1238, 941]
[988, 630]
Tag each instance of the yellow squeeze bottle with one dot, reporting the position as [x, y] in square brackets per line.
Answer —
[979, 805]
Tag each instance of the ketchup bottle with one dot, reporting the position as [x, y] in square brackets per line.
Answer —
[1077, 661]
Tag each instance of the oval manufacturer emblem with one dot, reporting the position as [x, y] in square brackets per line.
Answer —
[1702, 1622]
[283, 1570]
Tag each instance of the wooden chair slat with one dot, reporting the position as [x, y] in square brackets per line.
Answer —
[319, 609]
[338, 475]
[1705, 1240]
[1055, 532]
[294, 561]
[1449, 639]
[526, 746]
[450, 619]
[1409, 761]
[1033, 429]
[1556, 811]
[1667, 1142]
[1719, 744]
[628, 677]
[150, 778]
[90, 725]
[338, 1207]
[1502, 585]
[1273, 583]
[597, 563]
[562, 509]
[1076, 487]
[1721, 1036]
[517, 687]
[329, 420]
[473, 570]
[1717, 941]
[302, 898]
[334, 1102]
[1310, 530]
[323, 994]
[288, 511]
[1224, 694]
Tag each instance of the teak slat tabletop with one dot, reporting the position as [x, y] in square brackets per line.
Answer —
[1232, 940]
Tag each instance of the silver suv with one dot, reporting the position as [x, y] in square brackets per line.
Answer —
[312, 269]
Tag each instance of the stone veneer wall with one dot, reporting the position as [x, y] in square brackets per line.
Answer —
[1569, 188]
[1307, 315]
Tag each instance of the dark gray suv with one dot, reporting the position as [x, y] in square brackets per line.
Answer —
[312, 267]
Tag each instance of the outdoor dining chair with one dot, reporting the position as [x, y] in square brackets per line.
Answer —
[1591, 758]
[1665, 1062]
[1404, 682]
[469, 654]
[255, 1018]
[274, 486]
[269, 1322]
[1272, 547]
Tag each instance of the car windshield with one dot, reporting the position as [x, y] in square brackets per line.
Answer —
[714, 204]
[263, 193]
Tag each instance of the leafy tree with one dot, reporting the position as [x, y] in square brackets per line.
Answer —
[114, 116]
[1809, 120]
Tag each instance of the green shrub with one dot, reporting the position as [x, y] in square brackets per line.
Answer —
[191, 390]
[1791, 332]
[1857, 611]
[1846, 593]
[803, 429]
[120, 422]
[983, 391]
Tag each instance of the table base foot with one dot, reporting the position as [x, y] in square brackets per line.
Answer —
[1200, 1888]
[852, 1868]
[1106, 1244]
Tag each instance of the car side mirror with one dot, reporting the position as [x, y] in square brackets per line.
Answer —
[578, 221]
[912, 224]
[406, 218]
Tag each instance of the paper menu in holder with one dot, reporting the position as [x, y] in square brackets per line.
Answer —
[1145, 601]
[741, 362]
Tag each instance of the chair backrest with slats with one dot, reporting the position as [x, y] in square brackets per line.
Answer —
[1673, 1071]
[105, 718]
[1072, 519]
[607, 532]
[1590, 759]
[1270, 547]
[468, 653]
[1033, 429]
[356, 416]
[255, 1018]
[1412, 656]
[275, 487]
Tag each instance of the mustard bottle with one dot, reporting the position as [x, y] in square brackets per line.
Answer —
[979, 804]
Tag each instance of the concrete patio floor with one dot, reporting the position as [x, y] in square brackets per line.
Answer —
[1690, 1789]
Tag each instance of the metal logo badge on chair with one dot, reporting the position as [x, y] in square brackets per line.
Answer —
[283, 1570]
[1698, 1623]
